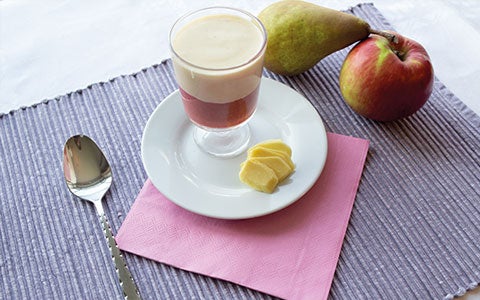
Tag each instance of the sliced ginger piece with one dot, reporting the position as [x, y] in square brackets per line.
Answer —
[258, 176]
[260, 151]
[277, 164]
[268, 163]
[276, 144]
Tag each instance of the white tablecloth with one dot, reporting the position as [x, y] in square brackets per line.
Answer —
[49, 48]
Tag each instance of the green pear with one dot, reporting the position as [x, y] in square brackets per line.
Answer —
[300, 34]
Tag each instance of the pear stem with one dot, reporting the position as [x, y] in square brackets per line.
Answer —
[389, 36]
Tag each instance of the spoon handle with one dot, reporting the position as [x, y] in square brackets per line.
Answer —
[126, 281]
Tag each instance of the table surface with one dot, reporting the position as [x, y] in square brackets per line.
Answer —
[55, 47]
[50, 48]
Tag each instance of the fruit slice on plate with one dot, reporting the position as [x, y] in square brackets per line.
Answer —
[261, 151]
[277, 164]
[258, 176]
[276, 144]
[268, 164]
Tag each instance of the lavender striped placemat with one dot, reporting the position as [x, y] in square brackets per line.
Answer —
[413, 233]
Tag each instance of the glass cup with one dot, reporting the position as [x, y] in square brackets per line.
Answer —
[217, 55]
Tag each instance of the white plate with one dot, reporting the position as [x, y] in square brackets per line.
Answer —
[210, 186]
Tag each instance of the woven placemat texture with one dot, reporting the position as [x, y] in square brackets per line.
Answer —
[414, 228]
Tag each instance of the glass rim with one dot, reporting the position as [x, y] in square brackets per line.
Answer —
[253, 17]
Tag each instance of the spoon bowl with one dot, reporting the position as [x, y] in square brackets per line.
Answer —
[88, 176]
[87, 172]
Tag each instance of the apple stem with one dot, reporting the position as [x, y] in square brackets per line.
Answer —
[389, 36]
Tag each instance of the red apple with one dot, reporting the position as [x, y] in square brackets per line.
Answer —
[386, 80]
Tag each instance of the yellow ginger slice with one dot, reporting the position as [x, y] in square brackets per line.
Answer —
[258, 176]
[268, 163]
[276, 144]
[260, 151]
[277, 164]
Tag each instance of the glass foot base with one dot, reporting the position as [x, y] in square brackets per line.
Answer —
[225, 144]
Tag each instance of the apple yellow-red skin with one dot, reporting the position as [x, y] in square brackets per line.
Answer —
[386, 81]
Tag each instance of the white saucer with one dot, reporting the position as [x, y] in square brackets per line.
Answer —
[210, 186]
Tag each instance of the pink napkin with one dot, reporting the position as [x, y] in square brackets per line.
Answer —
[290, 254]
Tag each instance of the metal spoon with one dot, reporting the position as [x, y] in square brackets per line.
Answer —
[88, 176]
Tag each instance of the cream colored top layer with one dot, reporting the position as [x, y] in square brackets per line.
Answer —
[218, 42]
